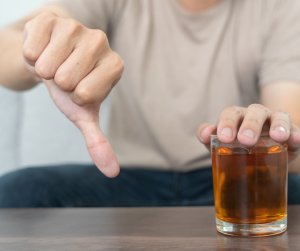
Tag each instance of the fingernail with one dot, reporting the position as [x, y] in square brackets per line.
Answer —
[280, 128]
[227, 132]
[248, 133]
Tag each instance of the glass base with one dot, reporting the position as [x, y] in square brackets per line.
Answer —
[252, 230]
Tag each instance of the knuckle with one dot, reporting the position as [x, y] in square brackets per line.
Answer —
[258, 107]
[30, 53]
[85, 96]
[280, 111]
[64, 82]
[47, 14]
[43, 70]
[117, 64]
[46, 17]
[73, 27]
[98, 39]
[233, 110]
[225, 110]
[27, 25]
[253, 120]
[281, 117]
[238, 110]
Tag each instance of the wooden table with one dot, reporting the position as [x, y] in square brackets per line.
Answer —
[131, 229]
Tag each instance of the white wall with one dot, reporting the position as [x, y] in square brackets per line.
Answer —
[11, 10]
[32, 130]
[11, 102]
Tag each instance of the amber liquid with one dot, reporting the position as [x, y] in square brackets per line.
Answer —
[250, 186]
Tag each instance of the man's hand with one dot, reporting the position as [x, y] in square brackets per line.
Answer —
[246, 125]
[79, 70]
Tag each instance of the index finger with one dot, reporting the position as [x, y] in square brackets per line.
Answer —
[37, 35]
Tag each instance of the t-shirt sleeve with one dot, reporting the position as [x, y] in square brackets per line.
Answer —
[280, 59]
[94, 14]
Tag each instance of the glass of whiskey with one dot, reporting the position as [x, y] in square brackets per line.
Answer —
[250, 187]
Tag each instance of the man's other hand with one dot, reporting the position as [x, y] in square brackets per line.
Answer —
[246, 124]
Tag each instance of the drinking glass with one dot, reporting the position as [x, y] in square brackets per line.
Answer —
[250, 187]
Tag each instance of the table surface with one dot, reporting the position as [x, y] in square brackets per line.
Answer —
[169, 228]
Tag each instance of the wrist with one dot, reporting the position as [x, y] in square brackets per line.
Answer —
[23, 79]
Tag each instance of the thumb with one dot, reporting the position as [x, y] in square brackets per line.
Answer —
[99, 148]
[87, 120]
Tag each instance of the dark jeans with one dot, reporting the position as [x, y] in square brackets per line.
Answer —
[86, 186]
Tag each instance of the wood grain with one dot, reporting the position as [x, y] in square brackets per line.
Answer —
[131, 229]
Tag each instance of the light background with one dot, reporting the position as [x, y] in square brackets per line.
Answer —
[33, 132]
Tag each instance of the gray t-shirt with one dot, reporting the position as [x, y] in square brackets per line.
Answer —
[182, 69]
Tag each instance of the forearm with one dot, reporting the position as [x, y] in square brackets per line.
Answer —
[294, 167]
[284, 96]
[13, 73]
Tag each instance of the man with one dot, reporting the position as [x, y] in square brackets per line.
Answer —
[187, 62]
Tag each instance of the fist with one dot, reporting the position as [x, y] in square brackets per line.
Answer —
[79, 70]
[78, 59]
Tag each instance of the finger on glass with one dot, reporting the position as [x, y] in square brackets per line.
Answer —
[251, 127]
